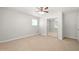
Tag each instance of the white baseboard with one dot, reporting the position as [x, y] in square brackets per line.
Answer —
[18, 38]
[70, 37]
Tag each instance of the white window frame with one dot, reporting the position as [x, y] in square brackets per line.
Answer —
[34, 22]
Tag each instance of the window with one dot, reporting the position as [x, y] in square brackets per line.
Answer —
[34, 22]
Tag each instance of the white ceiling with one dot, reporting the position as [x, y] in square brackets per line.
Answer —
[31, 10]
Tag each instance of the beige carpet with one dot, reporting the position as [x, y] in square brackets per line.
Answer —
[52, 34]
[40, 43]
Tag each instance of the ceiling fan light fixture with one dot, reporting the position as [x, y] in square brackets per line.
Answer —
[41, 12]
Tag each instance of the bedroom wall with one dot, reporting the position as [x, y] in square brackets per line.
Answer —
[0, 23]
[70, 19]
[43, 26]
[14, 24]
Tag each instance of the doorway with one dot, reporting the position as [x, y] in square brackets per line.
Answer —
[52, 27]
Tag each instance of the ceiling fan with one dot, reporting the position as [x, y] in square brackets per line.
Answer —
[42, 9]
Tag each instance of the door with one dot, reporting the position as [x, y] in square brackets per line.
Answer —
[52, 28]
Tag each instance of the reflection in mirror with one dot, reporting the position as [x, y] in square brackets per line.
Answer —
[52, 27]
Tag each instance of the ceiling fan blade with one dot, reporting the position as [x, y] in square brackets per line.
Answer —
[45, 11]
[46, 8]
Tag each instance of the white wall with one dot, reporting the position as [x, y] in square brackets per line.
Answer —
[60, 25]
[15, 24]
[77, 27]
[70, 24]
[59, 16]
[0, 23]
[43, 26]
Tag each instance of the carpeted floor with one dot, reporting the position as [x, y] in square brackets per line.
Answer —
[40, 43]
[52, 34]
